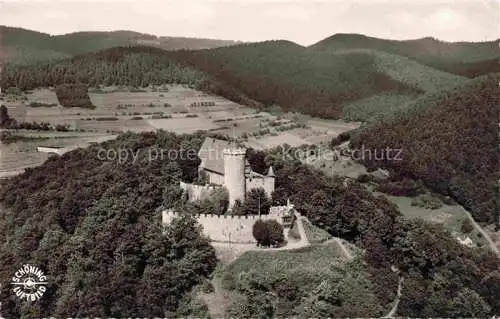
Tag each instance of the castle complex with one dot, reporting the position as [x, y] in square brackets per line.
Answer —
[225, 164]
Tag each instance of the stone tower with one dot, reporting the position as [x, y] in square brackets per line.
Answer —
[269, 182]
[234, 174]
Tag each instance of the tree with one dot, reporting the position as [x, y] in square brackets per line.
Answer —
[5, 120]
[468, 303]
[172, 196]
[260, 232]
[220, 200]
[256, 198]
[268, 233]
[275, 231]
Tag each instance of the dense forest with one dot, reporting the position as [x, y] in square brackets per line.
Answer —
[94, 228]
[137, 66]
[104, 218]
[461, 58]
[441, 277]
[449, 140]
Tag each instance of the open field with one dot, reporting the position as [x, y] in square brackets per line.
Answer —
[273, 141]
[450, 216]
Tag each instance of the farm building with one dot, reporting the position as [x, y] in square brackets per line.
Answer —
[51, 149]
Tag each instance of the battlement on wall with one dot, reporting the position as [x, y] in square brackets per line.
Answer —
[168, 215]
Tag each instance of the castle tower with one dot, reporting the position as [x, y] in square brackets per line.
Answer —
[234, 174]
[269, 181]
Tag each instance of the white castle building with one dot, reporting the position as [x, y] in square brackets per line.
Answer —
[225, 164]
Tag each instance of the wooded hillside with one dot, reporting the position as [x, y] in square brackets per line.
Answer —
[449, 140]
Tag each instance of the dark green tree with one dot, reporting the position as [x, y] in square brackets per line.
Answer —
[257, 198]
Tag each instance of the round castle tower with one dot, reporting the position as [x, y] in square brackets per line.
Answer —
[234, 174]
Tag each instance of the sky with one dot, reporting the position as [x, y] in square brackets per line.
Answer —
[302, 21]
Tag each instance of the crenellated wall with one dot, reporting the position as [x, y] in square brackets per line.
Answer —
[225, 228]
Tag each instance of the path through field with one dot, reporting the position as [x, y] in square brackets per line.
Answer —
[219, 300]
[338, 241]
[394, 309]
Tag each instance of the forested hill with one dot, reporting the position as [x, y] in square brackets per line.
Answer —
[449, 140]
[26, 46]
[94, 227]
[275, 72]
[469, 59]
[312, 82]
[134, 66]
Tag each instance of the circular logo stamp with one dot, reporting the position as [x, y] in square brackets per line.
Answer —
[29, 283]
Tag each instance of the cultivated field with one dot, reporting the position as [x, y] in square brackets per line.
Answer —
[174, 108]
[15, 157]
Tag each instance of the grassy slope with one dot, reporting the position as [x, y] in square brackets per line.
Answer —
[450, 141]
[402, 69]
[310, 268]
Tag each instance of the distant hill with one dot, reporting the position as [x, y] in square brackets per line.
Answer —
[274, 72]
[449, 140]
[350, 76]
[320, 83]
[26, 46]
[461, 58]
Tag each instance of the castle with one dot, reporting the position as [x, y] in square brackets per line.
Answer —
[226, 165]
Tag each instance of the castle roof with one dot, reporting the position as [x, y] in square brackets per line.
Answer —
[211, 154]
[270, 172]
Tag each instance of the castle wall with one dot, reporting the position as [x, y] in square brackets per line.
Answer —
[267, 183]
[225, 228]
[197, 192]
[215, 178]
[252, 183]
